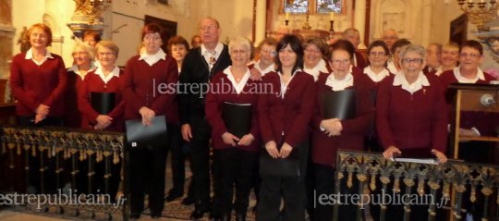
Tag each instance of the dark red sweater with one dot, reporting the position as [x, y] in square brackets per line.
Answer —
[324, 148]
[412, 121]
[290, 115]
[33, 85]
[151, 86]
[93, 83]
[215, 99]
[481, 120]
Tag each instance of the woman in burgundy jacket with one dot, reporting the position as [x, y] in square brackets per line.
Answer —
[284, 114]
[332, 134]
[149, 89]
[38, 80]
[410, 119]
[236, 156]
[105, 79]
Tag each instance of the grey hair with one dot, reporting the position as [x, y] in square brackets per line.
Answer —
[241, 41]
[413, 48]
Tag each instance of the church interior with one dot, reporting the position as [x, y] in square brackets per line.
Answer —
[422, 22]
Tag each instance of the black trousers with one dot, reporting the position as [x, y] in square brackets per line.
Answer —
[290, 189]
[200, 162]
[325, 186]
[147, 176]
[236, 167]
[178, 153]
[38, 182]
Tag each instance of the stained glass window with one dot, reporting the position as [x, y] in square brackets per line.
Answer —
[296, 6]
[327, 6]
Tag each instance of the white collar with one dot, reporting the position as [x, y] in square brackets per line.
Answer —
[114, 73]
[152, 58]
[339, 85]
[461, 79]
[284, 86]
[237, 86]
[320, 67]
[376, 77]
[218, 49]
[29, 54]
[82, 74]
[400, 80]
[439, 71]
[270, 68]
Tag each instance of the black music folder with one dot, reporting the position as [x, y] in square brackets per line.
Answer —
[339, 104]
[103, 103]
[139, 135]
[237, 118]
[287, 167]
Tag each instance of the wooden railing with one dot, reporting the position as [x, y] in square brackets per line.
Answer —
[59, 152]
[455, 182]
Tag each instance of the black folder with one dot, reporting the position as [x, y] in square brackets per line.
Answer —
[237, 118]
[138, 135]
[287, 167]
[103, 103]
[339, 104]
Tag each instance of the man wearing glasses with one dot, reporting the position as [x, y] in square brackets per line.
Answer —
[199, 66]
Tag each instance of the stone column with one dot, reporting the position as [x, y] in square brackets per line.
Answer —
[359, 20]
[260, 21]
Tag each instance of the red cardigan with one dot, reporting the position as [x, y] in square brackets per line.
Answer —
[152, 86]
[93, 83]
[213, 108]
[414, 121]
[478, 119]
[361, 62]
[33, 85]
[324, 148]
[286, 119]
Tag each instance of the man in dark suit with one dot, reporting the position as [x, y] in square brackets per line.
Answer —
[199, 66]
[353, 36]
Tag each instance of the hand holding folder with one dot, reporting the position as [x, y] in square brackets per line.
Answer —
[339, 104]
[237, 118]
[139, 135]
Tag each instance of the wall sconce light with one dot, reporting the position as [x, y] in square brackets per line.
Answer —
[479, 11]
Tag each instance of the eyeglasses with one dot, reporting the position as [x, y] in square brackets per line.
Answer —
[238, 51]
[207, 27]
[103, 54]
[473, 55]
[344, 61]
[379, 53]
[412, 60]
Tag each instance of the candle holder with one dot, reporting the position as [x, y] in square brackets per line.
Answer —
[331, 28]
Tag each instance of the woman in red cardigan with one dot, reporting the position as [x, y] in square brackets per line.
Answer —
[145, 97]
[409, 117]
[235, 155]
[105, 79]
[284, 114]
[331, 134]
[38, 80]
